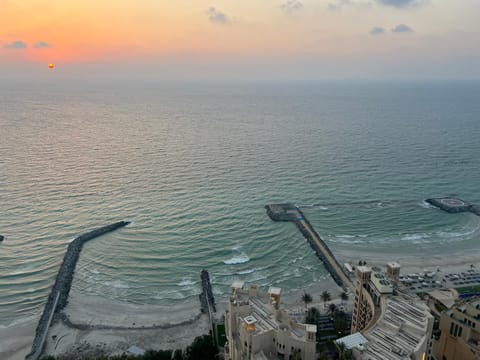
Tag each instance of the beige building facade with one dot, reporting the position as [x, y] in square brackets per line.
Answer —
[257, 329]
[460, 332]
[363, 307]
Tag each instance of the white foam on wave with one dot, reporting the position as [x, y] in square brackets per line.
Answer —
[240, 259]
[346, 236]
[186, 282]
[245, 272]
[414, 237]
[427, 205]
[117, 284]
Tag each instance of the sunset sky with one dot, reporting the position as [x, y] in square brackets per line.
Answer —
[241, 39]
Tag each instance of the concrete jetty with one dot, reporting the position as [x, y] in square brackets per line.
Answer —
[58, 297]
[290, 212]
[207, 300]
[454, 205]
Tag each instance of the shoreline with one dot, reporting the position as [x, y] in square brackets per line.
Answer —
[96, 323]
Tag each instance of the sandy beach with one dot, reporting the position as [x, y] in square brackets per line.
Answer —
[453, 262]
[95, 325]
[16, 340]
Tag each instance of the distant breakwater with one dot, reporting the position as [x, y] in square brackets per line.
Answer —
[454, 205]
[58, 298]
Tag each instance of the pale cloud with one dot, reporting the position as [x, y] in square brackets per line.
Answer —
[339, 4]
[41, 45]
[401, 3]
[291, 6]
[402, 28]
[217, 17]
[17, 44]
[377, 31]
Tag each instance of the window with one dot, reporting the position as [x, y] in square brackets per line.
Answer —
[459, 331]
[451, 328]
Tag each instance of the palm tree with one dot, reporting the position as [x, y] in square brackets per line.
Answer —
[332, 308]
[325, 297]
[306, 298]
[313, 316]
[343, 297]
[340, 348]
[343, 352]
[340, 322]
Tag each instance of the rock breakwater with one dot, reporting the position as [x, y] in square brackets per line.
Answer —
[58, 297]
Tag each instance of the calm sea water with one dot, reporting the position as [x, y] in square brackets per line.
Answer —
[193, 165]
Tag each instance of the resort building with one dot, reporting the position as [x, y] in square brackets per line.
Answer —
[363, 307]
[460, 332]
[394, 326]
[403, 331]
[257, 329]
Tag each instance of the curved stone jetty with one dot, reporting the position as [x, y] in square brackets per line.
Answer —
[58, 297]
[290, 212]
[454, 205]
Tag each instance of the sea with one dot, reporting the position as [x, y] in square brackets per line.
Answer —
[192, 166]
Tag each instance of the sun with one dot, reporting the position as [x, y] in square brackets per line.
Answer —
[51, 66]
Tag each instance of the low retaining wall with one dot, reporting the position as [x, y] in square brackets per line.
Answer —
[58, 297]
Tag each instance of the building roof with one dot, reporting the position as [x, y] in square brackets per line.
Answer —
[237, 284]
[401, 329]
[261, 316]
[353, 340]
[446, 297]
[274, 290]
[363, 268]
[393, 264]
[250, 319]
[311, 328]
